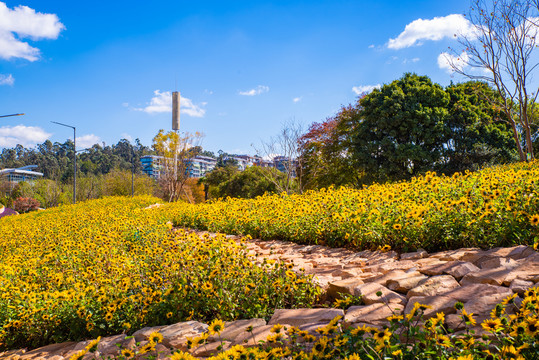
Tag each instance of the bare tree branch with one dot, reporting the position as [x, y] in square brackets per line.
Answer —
[500, 52]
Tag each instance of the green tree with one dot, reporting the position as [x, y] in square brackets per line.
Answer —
[402, 129]
[478, 133]
[250, 183]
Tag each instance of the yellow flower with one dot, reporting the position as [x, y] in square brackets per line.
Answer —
[206, 286]
[468, 318]
[492, 325]
[534, 220]
[127, 353]
[180, 355]
[78, 355]
[92, 345]
[216, 327]
[276, 328]
[155, 337]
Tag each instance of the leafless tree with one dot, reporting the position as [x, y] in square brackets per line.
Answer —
[501, 50]
[286, 145]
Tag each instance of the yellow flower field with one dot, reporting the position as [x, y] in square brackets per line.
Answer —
[108, 266]
[497, 206]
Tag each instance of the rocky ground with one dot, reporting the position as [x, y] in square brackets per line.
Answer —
[477, 278]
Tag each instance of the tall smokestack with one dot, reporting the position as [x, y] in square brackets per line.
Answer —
[175, 110]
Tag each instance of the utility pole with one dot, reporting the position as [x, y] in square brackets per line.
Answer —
[74, 159]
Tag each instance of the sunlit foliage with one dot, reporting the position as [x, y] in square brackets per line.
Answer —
[492, 207]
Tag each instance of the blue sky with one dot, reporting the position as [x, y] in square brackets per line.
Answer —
[243, 67]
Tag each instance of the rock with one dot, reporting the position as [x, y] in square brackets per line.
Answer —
[343, 286]
[382, 279]
[176, 335]
[498, 262]
[211, 349]
[297, 317]
[109, 345]
[471, 291]
[515, 252]
[368, 293]
[529, 271]
[236, 328]
[435, 285]
[435, 268]
[371, 313]
[143, 333]
[437, 304]
[404, 284]
[58, 349]
[464, 254]
[482, 305]
[395, 265]
[162, 351]
[520, 286]
[458, 269]
[494, 276]
[419, 254]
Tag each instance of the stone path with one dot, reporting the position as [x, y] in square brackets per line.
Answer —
[479, 279]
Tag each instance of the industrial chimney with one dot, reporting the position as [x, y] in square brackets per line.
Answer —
[175, 110]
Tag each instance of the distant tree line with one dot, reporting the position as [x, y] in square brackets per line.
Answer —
[101, 171]
[55, 160]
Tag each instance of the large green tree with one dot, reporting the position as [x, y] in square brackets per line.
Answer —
[402, 129]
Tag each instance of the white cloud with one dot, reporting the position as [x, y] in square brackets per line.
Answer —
[371, 46]
[414, 60]
[434, 29]
[23, 22]
[162, 103]
[297, 99]
[127, 137]
[445, 60]
[27, 136]
[365, 88]
[257, 91]
[87, 141]
[7, 79]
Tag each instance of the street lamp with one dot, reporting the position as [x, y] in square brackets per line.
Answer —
[74, 159]
[11, 115]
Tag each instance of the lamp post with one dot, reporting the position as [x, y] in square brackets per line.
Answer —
[2, 116]
[74, 159]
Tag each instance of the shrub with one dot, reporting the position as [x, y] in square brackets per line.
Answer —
[25, 204]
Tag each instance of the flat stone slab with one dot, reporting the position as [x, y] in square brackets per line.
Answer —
[436, 303]
[470, 291]
[297, 317]
[435, 285]
[495, 276]
[371, 313]
[233, 329]
[345, 286]
[369, 294]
